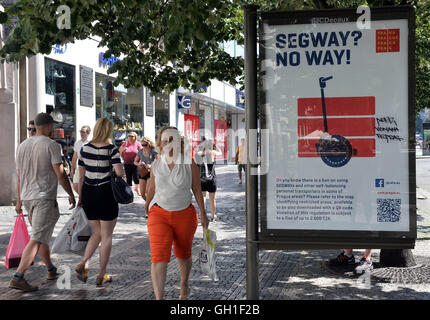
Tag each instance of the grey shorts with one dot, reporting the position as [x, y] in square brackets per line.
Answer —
[42, 215]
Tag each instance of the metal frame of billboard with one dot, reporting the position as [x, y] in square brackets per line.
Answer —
[320, 239]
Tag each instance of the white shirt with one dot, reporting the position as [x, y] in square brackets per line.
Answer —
[78, 145]
[172, 188]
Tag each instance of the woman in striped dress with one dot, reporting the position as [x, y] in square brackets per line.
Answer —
[96, 196]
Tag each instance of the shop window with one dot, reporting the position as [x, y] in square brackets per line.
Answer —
[202, 123]
[60, 102]
[161, 111]
[123, 106]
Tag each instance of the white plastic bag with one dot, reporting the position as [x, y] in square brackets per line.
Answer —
[81, 232]
[207, 254]
[74, 235]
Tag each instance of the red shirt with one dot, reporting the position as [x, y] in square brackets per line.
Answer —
[130, 154]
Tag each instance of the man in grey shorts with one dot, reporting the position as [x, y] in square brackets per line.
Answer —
[39, 168]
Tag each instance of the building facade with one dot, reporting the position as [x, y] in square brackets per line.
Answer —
[72, 84]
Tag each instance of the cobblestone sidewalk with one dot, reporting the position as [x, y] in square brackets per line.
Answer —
[298, 274]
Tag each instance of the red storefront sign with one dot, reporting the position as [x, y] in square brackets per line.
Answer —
[221, 138]
[191, 131]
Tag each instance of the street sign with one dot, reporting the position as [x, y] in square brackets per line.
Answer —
[338, 102]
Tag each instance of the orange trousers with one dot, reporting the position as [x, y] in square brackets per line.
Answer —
[167, 227]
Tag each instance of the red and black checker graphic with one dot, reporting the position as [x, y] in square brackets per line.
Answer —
[349, 121]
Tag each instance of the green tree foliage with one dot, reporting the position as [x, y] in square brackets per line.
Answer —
[165, 44]
[422, 32]
[422, 56]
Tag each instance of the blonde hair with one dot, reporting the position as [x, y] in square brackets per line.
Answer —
[102, 131]
[148, 141]
[134, 134]
[160, 133]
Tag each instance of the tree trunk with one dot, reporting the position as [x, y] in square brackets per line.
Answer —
[396, 258]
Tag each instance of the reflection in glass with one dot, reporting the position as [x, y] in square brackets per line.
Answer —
[161, 111]
[60, 102]
[123, 106]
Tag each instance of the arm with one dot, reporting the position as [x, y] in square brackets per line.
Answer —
[81, 183]
[197, 191]
[64, 181]
[137, 161]
[18, 207]
[216, 152]
[236, 158]
[150, 191]
[119, 170]
[74, 161]
[122, 149]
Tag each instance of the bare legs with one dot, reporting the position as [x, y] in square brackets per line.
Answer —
[158, 275]
[159, 272]
[142, 187]
[102, 232]
[212, 203]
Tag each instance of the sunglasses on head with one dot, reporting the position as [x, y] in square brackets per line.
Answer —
[31, 129]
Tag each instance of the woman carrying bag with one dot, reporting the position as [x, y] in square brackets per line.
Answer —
[96, 196]
[128, 152]
[207, 151]
[172, 218]
[145, 157]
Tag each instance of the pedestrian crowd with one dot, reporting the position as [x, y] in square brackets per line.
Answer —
[164, 179]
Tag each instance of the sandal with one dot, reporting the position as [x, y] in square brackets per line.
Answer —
[82, 272]
[189, 293]
[100, 281]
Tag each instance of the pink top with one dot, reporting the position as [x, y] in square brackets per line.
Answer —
[130, 154]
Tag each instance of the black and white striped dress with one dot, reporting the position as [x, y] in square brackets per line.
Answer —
[98, 201]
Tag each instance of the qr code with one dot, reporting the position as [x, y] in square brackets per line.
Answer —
[388, 210]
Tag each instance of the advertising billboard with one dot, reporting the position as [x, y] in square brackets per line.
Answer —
[338, 103]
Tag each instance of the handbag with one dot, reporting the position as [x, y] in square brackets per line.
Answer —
[75, 234]
[143, 172]
[17, 243]
[207, 254]
[205, 174]
[121, 190]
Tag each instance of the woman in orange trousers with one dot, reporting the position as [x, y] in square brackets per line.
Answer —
[171, 216]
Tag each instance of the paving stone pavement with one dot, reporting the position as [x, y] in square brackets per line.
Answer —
[283, 275]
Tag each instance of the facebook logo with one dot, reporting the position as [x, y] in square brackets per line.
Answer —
[379, 183]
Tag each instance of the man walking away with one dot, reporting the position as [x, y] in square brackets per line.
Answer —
[39, 166]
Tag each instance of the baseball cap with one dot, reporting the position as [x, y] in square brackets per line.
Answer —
[42, 119]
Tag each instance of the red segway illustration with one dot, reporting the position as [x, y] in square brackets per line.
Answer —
[335, 151]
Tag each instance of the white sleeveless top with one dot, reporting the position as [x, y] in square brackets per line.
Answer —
[172, 188]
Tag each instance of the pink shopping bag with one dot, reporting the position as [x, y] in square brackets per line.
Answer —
[17, 242]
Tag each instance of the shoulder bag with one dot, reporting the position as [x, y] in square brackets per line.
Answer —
[121, 190]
